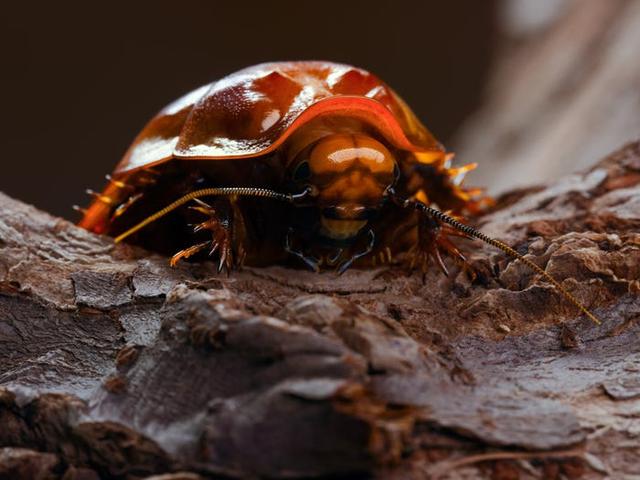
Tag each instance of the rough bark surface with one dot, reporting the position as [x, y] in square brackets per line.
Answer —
[560, 96]
[114, 365]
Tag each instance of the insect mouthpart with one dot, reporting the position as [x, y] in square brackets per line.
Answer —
[340, 229]
[345, 221]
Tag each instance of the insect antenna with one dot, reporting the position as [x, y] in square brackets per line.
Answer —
[472, 232]
[208, 192]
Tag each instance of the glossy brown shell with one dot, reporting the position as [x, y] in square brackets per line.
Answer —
[251, 112]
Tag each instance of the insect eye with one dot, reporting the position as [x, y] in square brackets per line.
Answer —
[302, 172]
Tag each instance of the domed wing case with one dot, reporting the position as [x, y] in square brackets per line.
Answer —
[251, 112]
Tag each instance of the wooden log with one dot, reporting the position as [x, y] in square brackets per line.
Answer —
[114, 365]
[560, 95]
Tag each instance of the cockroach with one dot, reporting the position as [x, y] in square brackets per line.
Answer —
[312, 162]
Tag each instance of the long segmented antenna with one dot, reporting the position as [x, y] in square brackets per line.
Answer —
[472, 232]
[208, 192]
[290, 198]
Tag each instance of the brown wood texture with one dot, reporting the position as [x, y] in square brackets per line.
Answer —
[114, 365]
[560, 96]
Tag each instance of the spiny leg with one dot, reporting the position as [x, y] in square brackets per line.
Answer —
[117, 197]
[432, 241]
[188, 252]
[468, 231]
[124, 206]
[219, 223]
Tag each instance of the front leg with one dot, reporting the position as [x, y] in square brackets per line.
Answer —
[438, 183]
[434, 238]
[470, 232]
[225, 223]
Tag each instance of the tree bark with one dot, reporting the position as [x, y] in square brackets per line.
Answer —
[114, 365]
[561, 95]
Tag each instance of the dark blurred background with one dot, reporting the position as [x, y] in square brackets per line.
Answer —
[79, 80]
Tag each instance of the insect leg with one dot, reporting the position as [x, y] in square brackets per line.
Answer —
[472, 232]
[311, 262]
[219, 223]
[432, 239]
[187, 252]
[372, 240]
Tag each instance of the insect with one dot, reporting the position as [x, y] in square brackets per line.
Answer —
[315, 163]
